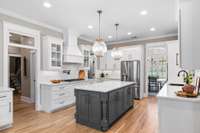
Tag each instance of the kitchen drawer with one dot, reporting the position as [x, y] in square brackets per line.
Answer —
[59, 103]
[4, 97]
[58, 88]
[57, 95]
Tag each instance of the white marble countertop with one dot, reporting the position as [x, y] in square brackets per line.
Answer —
[89, 81]
[2, 89]
[104, 86]
[168, 92]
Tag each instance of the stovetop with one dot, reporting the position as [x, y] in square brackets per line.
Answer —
[71, 80]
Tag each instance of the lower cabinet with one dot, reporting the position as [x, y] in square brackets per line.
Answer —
[89, 105]
[100, 110]
[128, 97]
[56, 97]
[6, 109]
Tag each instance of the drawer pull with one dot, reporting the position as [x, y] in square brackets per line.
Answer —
[62, 94]
[3, 96]
[62, 102]
[9, 106]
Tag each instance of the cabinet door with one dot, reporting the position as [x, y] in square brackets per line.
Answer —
[83, 106]
[56, 55]
[120, 102]
[189, 33]
[86, 62]
[112, 106]
[127, 97]
[5, 113]
[102, 63]
[94, 108]
[109, 61]
[174, 62]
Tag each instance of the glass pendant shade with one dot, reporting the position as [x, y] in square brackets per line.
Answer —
[116, 54]
[99, 48]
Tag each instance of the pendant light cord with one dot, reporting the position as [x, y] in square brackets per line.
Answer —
[116, 31]
[99, 12]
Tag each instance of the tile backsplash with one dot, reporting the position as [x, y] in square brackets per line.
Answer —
[69, 71]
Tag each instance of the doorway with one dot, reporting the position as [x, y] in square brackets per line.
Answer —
[22, 76]
[15, 73]
[156, 67]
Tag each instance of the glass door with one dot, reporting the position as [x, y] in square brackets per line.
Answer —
[56, 55]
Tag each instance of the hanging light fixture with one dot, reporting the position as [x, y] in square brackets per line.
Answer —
[116, 53]
[99, 47]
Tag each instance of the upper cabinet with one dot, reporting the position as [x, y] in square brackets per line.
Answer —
[52, 53]
[189, 33]
[86, 52]
[108, 63]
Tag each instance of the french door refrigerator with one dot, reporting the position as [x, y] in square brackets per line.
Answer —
[130, 71]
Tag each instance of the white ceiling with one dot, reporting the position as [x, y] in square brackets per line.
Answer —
[78, 14]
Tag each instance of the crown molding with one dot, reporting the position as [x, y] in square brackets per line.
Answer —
[29, 20]
[142, 39]
[86, 39]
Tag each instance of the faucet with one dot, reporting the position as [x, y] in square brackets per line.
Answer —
[184, 71]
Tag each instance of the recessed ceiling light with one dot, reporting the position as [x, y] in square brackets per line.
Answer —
[109, 37]
[152, 29]
[47, 4]
[129, 33]
[90, 27]
[144, 12]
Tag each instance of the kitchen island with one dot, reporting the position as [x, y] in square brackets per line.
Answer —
[100, 104]
[177, 114]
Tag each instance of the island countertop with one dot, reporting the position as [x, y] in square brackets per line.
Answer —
[104, 86]
[168, 92]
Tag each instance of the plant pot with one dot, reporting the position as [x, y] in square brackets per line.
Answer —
[188, 88]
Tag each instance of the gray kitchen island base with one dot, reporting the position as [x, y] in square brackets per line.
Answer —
[100, 110]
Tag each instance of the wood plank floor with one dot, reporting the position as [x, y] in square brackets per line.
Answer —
[141, 119]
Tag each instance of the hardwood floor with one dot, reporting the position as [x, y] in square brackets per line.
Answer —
[141, 119]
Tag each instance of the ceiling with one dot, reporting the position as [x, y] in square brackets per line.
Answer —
[78, 14]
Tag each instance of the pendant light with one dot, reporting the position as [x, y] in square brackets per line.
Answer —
[99, 47]
[116, 53]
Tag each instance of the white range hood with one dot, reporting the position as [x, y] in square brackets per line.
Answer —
[72, 53]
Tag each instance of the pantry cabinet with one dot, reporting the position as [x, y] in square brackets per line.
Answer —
[52, 53]
[189, 33]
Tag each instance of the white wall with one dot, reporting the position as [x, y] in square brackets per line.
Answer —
[1, 53]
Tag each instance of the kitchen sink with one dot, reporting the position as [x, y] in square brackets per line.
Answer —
[176, 84]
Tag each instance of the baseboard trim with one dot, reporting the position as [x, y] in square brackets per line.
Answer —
[26, 99]
[5, 127]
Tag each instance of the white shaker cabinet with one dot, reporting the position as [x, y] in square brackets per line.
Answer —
[189, 33]
[52, 53]
[86, 52]
[173, 62]
[102, 62]
[6, 109]
[107, 62]
[54, 97]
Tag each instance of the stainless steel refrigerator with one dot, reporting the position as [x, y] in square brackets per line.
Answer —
[130, 71]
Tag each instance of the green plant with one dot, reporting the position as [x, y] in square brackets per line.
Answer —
[188, 79]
